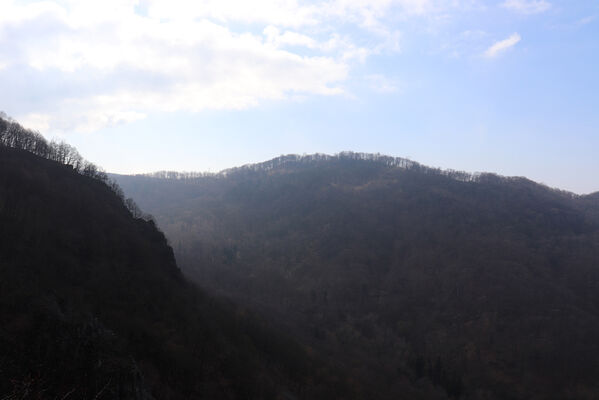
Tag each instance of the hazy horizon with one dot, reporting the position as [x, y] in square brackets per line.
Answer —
[332, 154]
[506, 86]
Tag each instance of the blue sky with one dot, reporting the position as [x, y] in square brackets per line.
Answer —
[508, 86]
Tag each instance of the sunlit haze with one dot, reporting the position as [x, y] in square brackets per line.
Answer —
[508, 86]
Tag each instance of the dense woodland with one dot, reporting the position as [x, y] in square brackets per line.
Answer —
[93, 305]
[448, 284]
[361, 276]
[13, 135]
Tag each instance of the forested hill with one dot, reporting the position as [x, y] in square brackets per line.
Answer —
[468, 286]
[93, 305]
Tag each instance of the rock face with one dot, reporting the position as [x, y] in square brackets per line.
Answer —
[458, 285]
[93, 305]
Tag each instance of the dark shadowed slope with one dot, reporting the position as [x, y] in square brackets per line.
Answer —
[590, 204]
[475, 287]
[93, 306]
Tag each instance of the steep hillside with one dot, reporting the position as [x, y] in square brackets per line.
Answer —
[590, 204]
[474, 286]
[93, 305]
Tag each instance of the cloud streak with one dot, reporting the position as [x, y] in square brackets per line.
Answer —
[527, 6]
[502, 46]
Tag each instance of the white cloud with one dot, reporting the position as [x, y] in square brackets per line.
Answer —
[115, 61]
[144, 64]
[291, 13]
[343, 47]
[288, 38]
[502, 46]
[288, 13]
[527, 6]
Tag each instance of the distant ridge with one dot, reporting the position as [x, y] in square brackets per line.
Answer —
[297, 160]
[291, 161]
[466, 286]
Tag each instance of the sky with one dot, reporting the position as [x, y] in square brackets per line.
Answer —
[505, 86]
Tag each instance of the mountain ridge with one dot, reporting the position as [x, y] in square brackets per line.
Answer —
[307, 160]
[459, 284]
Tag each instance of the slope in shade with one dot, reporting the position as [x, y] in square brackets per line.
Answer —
[93, 305]
[473, 286]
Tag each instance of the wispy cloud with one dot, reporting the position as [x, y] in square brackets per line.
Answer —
[527, 6]
[502, 46]
[586, 20]
[382, 84]
[468, 42]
